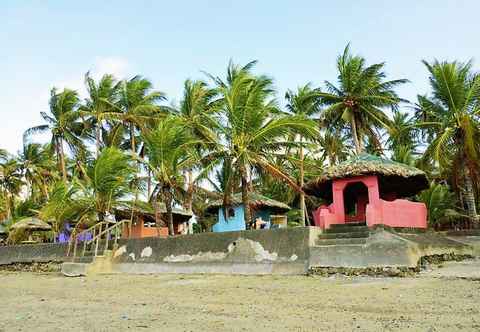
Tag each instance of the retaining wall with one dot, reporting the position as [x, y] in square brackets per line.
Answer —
[33, 253]
[279, 251]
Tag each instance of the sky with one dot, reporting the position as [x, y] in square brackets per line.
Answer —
[54, 43]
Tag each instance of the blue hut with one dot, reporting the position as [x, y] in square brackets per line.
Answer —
[231, 218]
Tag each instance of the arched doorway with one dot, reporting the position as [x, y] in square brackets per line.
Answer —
[355, 200]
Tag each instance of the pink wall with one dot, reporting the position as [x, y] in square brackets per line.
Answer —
[395, 213]
[398, 213]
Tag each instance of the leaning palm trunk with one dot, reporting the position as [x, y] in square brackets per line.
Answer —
[245, 200]
[356, 139]
[469, 197]
[302, 195]
[132, 138]
[189, 197]
[62, 159]
[97, 136]
[167, 194]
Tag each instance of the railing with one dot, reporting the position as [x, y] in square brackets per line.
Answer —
[103, 229]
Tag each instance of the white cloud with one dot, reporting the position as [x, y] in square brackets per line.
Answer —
[23, 102]
[117, 66]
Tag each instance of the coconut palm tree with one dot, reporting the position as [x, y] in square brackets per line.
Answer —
[169, 148]
[105, 186]
[304, 102]
[63, 124]
[252, 129]
[37, 168]
[138, 104]
[451, 117]
[100, 104]
[333, 146]
[109, 178]
[441, 204]
[11, 182]
[359, 99]
[196, 112]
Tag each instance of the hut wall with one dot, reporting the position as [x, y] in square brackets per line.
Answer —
[232, 223]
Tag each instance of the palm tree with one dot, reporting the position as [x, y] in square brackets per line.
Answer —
[304, 102]
[138, 105]
[334, 147]
[169, 151]
[37, 168]
[10, 182]
[63, 125]
[451, 118]
[197, 114]
[360, 98]
[440, 203]
[252, 129]
[100, 104]
[109, 178]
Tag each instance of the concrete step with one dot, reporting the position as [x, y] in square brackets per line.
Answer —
[346, 235]
[349, 241]
[349, 224]
[347, 229]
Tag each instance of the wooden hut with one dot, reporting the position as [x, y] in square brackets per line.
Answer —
[144, 222]
[231, 218]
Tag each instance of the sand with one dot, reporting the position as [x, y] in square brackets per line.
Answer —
[51, 302]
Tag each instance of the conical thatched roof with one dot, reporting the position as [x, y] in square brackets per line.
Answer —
[257, 201]
[393, 176]
[32, 224]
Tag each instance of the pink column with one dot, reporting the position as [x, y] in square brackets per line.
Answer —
[338, 204]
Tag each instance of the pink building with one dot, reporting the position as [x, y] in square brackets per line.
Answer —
[369, 189]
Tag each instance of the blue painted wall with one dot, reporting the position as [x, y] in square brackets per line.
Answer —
[236, 223]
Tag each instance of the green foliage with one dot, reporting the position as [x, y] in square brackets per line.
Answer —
[359, 99]
[233, 134]
[441, 204]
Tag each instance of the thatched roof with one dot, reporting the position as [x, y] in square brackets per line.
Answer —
[393, 176]
[147, 210]
[32, 224]
[257, 201]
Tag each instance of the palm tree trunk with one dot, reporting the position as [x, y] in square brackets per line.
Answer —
[245, 200]
[356, 139]
[302, 195]
[157, 213]
[469, 196]
[8, 207]
[149, 184]
[98, 128]
[132, 138]
[189, 199]
[168, 205]
[62, 159]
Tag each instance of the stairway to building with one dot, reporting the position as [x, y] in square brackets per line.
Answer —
[344, 234]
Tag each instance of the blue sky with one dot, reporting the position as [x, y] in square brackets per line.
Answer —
[53, 43]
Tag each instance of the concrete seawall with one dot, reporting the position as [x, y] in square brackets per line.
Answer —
[33, 253]
[279, 251]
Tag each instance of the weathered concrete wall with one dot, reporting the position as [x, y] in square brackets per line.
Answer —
[386, 248]
[282, 251]
[31, 253]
